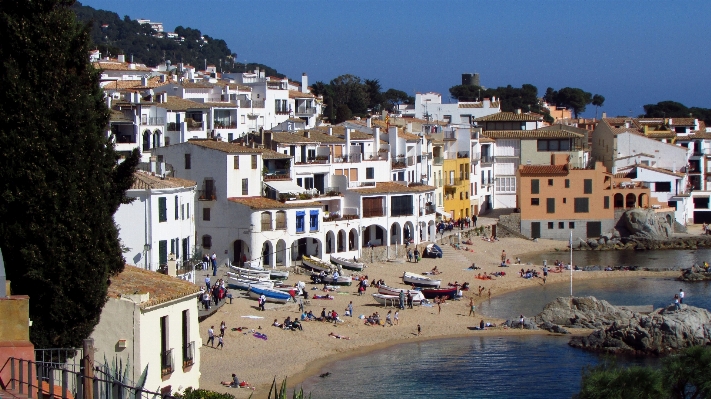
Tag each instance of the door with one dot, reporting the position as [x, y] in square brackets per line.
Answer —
[535, 229]
[209, 188]
[319, 183]
[594, 229]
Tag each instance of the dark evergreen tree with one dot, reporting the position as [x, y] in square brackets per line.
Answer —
[59, 180]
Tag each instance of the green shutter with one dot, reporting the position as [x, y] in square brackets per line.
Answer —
[550, 205]
[162, 210]
[163, 252]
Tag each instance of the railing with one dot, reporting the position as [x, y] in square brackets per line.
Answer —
[276, 176]
[267, 226]
[332, 191]
[228, 125]
[194, 125]
[189, 354]
[453, 182]
[173, 127]
[450, 135]
[427, 210]
[348, 158]
[207, 195]
[375, 156]
[487, 159]
[399, 163]
[438, 160]
[306, 110]
[356, 184]
[153, 120]
[166, 362]
[463, 154]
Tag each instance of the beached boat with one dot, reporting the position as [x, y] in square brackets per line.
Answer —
[278, 274]
[340, 280]
[250, 272]
[394, 300]
[419, 280]
[315, 263]
[347, 264]
[431, 293]
[246, 283]
[384, 289]
[272, 295]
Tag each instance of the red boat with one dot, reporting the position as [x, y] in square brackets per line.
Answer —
[431, 293]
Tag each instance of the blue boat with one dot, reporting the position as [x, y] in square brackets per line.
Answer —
[270, 294]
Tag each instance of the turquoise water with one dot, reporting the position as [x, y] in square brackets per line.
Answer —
[651, 259]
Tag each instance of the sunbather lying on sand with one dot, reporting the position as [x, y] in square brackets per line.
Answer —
[337, 336]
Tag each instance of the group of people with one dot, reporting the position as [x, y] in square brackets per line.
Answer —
[413, 255]
[362, 284]
[530, 273]
[679, 299]
[373, 320]
[288, 324]
[213, 293]
[461, 223]
[210, 260]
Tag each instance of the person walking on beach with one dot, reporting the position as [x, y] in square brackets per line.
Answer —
[503, 257]
[397, 317]
[677, 305]
[211, 336]
[223, 327]
[409, 255]
[522, 320]
[472, 308]
[681, 296]
[419, 330]
[545, 273]
[401, 298]
[220, 342]
[350, 309]
[417, 255]
[388, 321]
[439, 305]
[409, 299]
[489, 293]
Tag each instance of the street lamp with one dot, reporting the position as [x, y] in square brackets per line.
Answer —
[146, 248]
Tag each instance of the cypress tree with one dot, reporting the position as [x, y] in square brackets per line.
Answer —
[60, 183]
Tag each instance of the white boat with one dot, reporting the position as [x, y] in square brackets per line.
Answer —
[250, 272]
[384, 289]
[256, 278]
[347, 264]
[278, 274]
[245, 283]
[394, 300]
[419, 280]
[271, 295]
[340, 280]
[315, 263]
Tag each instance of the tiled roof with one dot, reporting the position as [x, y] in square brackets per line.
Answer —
[198, 85]
[232, 148]
[267, 203]
[144, 181]
[652, 168]
[700, 134]
[494, 104]
[160, 287]
[221, 105]
[530, 134]
[235, 86]
[484, 139]
[683, 121]
[298, 94]
[661, 134]
[134, 84]
[119, 66]
[543, 169]
[174, 103]
[562, 127]
[409, 136]
[510, 116]
[322, 137]
[292, 138]
[392, 188]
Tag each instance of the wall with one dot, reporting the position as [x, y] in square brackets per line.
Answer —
[529, 152]
[556, 233]
[667, 156]
[603, 145]
[453, 205]
[120, 320]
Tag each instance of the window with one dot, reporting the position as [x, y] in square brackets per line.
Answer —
[163, 252]
[606, 202]
[550, 182]
[177, 215]
[236, 162]
[370, 173]
[587, 189]
[188, 347]
[567, 183]
[313, 221]
[162, 209]
[565, 200]
[182, 212]
[662, 187]
[534, 186]
[571, 225]
[254, 162]
[535, 201]
[561, 225]
[187, 161]
[401, 205]
[206, 214]
[166, 355]
[550, 225]
[582, 205]
[701, 202]
[207, 241]
[281, 220]
[550, 205]
[506, 184]
[245, 186]
[300, 221]
[187, 211]
[554, 145]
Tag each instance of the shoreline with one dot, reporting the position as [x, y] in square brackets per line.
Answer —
[301, 355]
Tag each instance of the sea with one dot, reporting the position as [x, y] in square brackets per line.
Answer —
[510, 366]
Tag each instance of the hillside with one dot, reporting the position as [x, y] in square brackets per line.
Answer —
[113, 35]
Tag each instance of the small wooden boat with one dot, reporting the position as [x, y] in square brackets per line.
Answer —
[245, 283]
[315, 263]
[340, 280]
[347, 264]
[253, 278]
[419, 280]
[431, 293]
[384, 289]
[250, 272]
[270, 294]
[394, 300]
[278, 274]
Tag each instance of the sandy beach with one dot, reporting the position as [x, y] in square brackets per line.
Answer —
[299, 354]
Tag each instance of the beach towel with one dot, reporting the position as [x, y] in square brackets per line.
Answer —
[260, 336]
[253, 317]
[323, 297]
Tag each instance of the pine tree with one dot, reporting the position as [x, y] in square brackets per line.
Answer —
[59, 180]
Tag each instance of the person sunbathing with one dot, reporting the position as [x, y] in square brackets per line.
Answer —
[235, 383]
[337, 336]
[435, 271]
[276, 323]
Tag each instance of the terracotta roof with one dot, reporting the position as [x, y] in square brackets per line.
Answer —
[232, 148]
[339, 135]
[160, 287]
[221, 105]
[494, 104]
[699, 134]
[174, 103]
[484, 139]
[198, 85]
[268, 203]
[292, 138]
[322, 137]
[561, 127]
[134, 84]
[298, 94]
[119, 66]
[392, 188]
[543, 169]
[144, 180]
[408, 136]
[652, 168]
[660, 134]
[510, 116]
[683, 121]
[530, 134]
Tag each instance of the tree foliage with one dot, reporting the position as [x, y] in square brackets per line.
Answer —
[59, 179]
[511, 98]
[348, 95]
[682, 376]
[571, 97]
[673, 109]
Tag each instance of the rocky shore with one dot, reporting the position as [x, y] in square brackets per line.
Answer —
[615, 242]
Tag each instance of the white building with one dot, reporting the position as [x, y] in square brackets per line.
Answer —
[429, 106]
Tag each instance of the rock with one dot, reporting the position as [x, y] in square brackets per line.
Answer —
[582, 312]
[646, 223]
[592, 243]
[615, 234]
[554, 328]
[694, 275]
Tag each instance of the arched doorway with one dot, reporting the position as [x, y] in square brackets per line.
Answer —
[374, 235]
[395, 234]
[240, 252]
[330, 242]
[307, 246]
[156, 138]
[353, 240]
[267, 257]
[408, 231]
[147, 140]
[642, 200]
[619, 201]
[341, 241]
[281, 253]
[431, 230]
[630, 200]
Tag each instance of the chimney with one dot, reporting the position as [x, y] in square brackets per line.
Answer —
[518, 111]
[121, 58]
[154, 166]
[486, 103]
[304, 83]
[330, 130]
[347, 150]
[604, 115]
[369, 122]
[376, 141]
[392, 139]
[131, 58]
[162, 78]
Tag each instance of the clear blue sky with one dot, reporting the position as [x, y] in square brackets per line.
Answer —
[632, 52]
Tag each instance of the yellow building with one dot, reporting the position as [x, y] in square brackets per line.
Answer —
[455, 171]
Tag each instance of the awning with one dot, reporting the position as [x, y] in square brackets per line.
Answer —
[441, 213]
[286, 186]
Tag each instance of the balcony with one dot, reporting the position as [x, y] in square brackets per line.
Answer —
[166, 363]
[332, 191]
[207, 195]
[189, 354]
[427, 210]
[453, 182]
[463, 154]
[194, 125]
[310, 111]
[226, 125]
[320, 160]
[438, 160]
[173, 127]
[399, 163]
[450, 135]
[153, 121]
[276, 176]
[487, 159]
[375, 156]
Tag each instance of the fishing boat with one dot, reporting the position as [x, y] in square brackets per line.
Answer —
[315, 263]
[419, 280]
[347, 264]
[246, 283]
[250, 272]
[340, 280]
[273, 273]
[384, 289]
[393, 300]
[278, 274]
[270, 294]
[431, 293]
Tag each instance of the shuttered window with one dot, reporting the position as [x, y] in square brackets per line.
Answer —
[534, 186]
[162, 209]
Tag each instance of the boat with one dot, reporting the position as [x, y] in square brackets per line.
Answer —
[315, 263]
[340, 280]
[272, 295]
[384, 289]
[431, 293]
[246, 283]
[419, 280]
[250, 272]
[432, 251]
[347, 264]
[394, 300]
[278, 274]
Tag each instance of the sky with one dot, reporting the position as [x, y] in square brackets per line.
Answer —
[631, 52]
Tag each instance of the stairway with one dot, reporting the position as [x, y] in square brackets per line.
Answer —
[453, 255]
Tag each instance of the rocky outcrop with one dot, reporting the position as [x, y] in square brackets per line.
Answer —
[694, 274]
[642, 243]
[646, 223]
[622, 331]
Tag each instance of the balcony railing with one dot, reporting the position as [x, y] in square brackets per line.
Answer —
[207, 195]
[173, 127]
[475, 156]
[189, 354]
[463, 154]
[226, 125]
[438, 160]
[332, 191]
[276, 176]
[375, 156]
[399, 163]
[166, 362]
[306, 110]
[194, 125]
[453, 182]
[427, 210]
[487, 159]
[450, 135]
[348, 158]
[153, 121]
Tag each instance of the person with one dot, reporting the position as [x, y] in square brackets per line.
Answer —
[409, 299]
[681, 296]
[211, 336]
[349, 309]
[401, 299]
[439, 305]
[545, 273]
[522, 320]
[503, 257]
[677, 305]
[409, 255]
[489, 293]
[214, 264]
[388, 320]
[397, 317]
[474, 219]
[223, 327]
[220, 342]
[276, 323]
[207, 282]
[481, 324]
[417, 255]
[262, 301]
[337, 336]
[234, 382]
[472, 307]
[419, 330]
[206, 300]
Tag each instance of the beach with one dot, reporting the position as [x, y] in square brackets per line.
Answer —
[299, 354]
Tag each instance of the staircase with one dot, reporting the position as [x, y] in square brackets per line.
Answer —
[453, 255]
